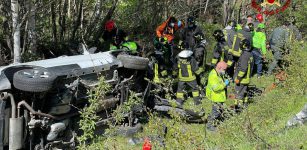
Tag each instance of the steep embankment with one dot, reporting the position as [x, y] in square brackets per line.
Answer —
[260, 126]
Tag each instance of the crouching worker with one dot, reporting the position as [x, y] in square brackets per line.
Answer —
[243, 73]
[216, 92]
[187, 69]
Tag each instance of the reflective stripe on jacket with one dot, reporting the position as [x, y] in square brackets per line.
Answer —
[187, 68]
[215, 90]
[243, 70]
[235, 47]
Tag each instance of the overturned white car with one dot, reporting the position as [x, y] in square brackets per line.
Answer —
[39, 99]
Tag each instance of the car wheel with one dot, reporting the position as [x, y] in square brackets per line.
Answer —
[34, 80]
[134, 62]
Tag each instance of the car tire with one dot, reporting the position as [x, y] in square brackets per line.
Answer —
[134, 62]
[34, 80]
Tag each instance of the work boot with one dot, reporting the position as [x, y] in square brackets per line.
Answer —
[238, 108]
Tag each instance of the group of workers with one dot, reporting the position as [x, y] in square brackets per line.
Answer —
[239, 48]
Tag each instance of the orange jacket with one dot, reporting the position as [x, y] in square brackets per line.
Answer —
[164, 31]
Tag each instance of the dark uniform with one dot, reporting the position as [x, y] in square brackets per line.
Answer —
[158, 67]
[220, 50]
[192, 35]
[247, 33]
[188, 36]
[187, 70]
[243, 72]
[234, 52]
[114, 39]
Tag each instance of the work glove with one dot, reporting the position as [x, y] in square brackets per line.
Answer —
[226, 82]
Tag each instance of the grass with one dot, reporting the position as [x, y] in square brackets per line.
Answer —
[260, 126]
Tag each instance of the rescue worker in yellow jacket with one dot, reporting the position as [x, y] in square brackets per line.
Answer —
[243, 73]
[216, 92]
[259, 48]
[187, 69]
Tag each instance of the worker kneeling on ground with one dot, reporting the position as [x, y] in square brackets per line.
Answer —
[187, 69]
[216, 92]
[243, 73]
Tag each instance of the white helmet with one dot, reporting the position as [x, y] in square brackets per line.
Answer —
[185, 54]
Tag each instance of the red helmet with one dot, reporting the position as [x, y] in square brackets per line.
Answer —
[110, 25]
[259, 17]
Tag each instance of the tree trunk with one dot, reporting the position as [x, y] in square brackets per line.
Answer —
[78, 21]
[54, 27]
[232, 10]
[225, 12]
[207, 2]
[32, 31]
[16, 30]
[63, 21]
[68, 9]
[94, 19]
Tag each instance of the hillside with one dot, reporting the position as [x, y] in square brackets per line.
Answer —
[260, 126]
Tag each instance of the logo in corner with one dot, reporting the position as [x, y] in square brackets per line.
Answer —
[270, 7]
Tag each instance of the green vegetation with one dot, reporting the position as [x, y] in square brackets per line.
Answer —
[88, 114]
[261, 126]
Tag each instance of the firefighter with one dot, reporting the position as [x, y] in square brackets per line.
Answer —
[247, 32]
[233, 39]
[163, 44]
[113, 36]
[279, 44]
[158, 67]
[216, 92]
[165, 36]
[191, 34]
[229, 33]
[187, 69]
[193, 38]
[243, 73]
[220, 50]
[259, 48]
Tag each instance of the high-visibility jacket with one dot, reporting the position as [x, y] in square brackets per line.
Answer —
[244, 69]
[259, 41]
[215, 90]
[187, 68]
[164, 31]
[132, 47]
